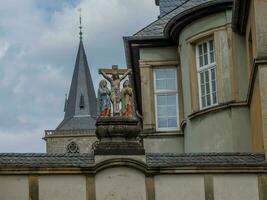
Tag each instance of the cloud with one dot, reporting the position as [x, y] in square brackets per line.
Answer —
[38, 46]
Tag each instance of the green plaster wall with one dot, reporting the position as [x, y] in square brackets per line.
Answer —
[164, 144]
[241, 129]
[209, 133]
[223, 131]
[158, 53]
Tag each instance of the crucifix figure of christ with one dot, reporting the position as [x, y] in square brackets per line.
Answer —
[117, 75]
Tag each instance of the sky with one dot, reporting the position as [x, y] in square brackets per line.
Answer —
[38, 46]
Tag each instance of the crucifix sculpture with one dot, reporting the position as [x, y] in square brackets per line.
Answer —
[117, 75]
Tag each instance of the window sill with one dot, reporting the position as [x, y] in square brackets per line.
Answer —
[217, 108]
[154, 133]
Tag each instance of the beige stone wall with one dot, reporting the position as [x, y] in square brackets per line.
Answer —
[14, 188]
[120, 183]
[260, 7]
[125, 183]
[256, 119]
[263, 95]
[148, 105]
[233, 187]
[59, 144]
[62, 187]
[179, 187]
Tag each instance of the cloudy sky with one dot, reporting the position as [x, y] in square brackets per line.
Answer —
[38, 46]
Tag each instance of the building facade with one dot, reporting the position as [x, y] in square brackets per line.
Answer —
[199, 77]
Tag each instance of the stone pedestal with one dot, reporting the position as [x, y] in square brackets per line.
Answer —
[118, 136]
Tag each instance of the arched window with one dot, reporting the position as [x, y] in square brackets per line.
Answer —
[73, 148]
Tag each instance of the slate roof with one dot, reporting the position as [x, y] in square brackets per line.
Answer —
[45, 160]
[81, 87]
[153, 160]
[205, 159]
[166, 6]
[156, 28]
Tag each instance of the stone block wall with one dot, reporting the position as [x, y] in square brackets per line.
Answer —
[119, 183]
[58, 141]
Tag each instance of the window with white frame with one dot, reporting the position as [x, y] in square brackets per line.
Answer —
[166, 99]
[206, 69]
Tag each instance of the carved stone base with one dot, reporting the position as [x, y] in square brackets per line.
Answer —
[118, 136]
[119, 148]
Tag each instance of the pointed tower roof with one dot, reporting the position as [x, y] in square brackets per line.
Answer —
[80, 106]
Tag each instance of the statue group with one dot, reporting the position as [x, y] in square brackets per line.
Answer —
[121, 99]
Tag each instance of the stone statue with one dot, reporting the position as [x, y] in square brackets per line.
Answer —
[103, 99]
[127, 100]
[115, 80]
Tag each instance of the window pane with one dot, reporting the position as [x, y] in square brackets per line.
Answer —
[213, 86]
[160, 74]
[160, 84]
[202, 77]
[162, 123]
[165, 79]
[203, 102]
[200, 61]
[200, 50]
[167, 111]
[166, 97]
[208, 100]
[202, 90]
[171, 111]
[170, 73]
[162, 111]
[171, 100]
[161, 99]
[172, 122]
[206, 59]
[214, 97]
[213, 74]
[170, 84]
[212, 57]
[207, 88]
[207, 79]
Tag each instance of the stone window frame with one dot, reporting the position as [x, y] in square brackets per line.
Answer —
[157, 92]
[207, 68]
[193, 75]
[150, 65]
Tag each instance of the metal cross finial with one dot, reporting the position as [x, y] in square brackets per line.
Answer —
[81, 34]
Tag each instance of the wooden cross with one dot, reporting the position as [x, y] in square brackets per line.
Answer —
[115, 70]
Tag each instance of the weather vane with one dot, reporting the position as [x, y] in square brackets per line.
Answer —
[80, 11]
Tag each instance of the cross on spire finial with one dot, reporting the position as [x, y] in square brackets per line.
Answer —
[80, 27]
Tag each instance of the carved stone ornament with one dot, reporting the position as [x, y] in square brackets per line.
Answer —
[73, 148]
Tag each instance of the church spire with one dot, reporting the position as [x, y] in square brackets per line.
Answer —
[80, 27]
[80, 108]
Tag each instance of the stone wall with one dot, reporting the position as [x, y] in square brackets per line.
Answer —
[120, 183]
[57, 141]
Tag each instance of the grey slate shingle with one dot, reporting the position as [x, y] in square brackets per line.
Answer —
[45, 160]
[156, 28]
[152, 160]
[204, 159]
